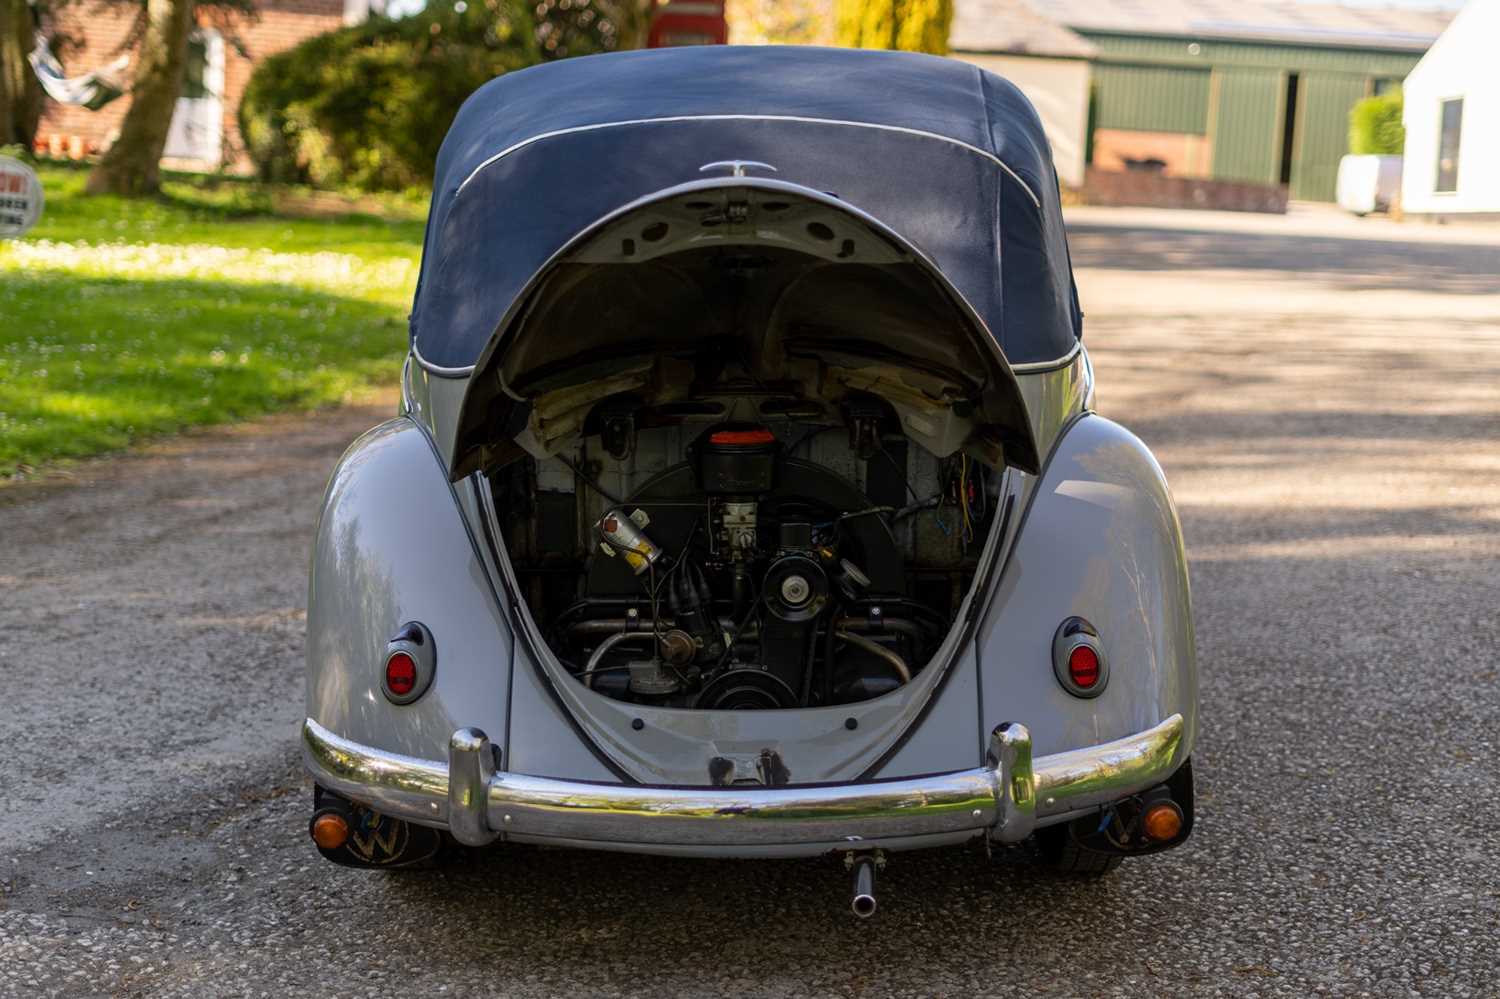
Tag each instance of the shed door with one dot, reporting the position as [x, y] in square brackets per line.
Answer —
[1323, 132]
[1246, 124]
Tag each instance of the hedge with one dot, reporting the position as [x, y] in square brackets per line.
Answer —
[1375, 127]
[368, 105]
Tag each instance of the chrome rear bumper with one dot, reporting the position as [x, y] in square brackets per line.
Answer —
[1004, 799]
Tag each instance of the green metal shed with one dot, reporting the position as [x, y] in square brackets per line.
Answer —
[1266, 86]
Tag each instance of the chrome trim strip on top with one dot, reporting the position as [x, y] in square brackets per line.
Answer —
[1003, 799]
[1027, 368]
[800, 119]
[438, 369]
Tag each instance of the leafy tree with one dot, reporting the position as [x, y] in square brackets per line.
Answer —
[581, 27]
[20, 95]
[368, 105]
[631, 20]
[1375, 127]
[783, 22]
[913, 25]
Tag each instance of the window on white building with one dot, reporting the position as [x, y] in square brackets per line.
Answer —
[1450, 134]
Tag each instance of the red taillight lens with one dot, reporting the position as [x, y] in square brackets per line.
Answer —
[1083, 666]
[400, 673]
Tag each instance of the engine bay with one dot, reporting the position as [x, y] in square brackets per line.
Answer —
[744, 448]
[689, 560]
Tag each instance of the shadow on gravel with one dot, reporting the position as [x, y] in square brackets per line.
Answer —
[1434, 533]
[1441, 268]
[643, 916]
[1323, 429]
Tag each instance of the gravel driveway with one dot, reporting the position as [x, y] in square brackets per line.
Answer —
[1325, 397]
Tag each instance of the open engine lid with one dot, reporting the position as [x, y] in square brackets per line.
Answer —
[952, 157]
[801, 289]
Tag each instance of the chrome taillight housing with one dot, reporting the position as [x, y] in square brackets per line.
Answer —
[409, 665]
[1078, 658]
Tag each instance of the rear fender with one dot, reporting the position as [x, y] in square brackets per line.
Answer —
[1101, 540]
[392, 546]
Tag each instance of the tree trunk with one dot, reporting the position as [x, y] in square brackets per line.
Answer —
[132, 166]
[20, 94]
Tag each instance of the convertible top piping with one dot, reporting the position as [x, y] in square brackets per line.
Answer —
[1029, 368]
[801, 119]
[438, 369]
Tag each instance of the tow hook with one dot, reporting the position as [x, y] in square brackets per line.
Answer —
[863, 867]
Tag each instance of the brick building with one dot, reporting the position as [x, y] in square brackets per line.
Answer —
[205, 130]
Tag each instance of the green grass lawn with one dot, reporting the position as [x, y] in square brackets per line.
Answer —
[124, 319]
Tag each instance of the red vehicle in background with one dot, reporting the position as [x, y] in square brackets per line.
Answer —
[697, 22]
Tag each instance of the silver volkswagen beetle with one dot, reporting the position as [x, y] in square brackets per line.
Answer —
[747, 497]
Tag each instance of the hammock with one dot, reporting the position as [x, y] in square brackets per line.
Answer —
[91, 91]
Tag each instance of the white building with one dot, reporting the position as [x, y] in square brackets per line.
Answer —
[1452, 117]
[1048, 62]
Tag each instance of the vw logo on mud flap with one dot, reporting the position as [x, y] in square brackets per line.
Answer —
[380, 840]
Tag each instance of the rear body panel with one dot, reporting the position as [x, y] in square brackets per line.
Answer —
[391, 547]
[1098, 537]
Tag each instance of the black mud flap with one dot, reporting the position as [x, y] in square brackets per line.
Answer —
[1114, 830]
[377, 840]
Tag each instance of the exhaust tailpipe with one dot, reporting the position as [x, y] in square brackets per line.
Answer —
[862, 901]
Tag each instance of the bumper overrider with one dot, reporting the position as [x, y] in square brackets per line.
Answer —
[1006, 799]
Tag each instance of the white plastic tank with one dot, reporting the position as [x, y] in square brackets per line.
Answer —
[1368, 183]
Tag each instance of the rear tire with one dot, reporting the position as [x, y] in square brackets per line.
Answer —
[1057, 853]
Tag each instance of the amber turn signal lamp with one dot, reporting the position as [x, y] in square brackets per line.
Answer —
[1162, 821]
[330, 830]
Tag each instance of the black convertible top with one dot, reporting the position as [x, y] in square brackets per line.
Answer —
[949, 156]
